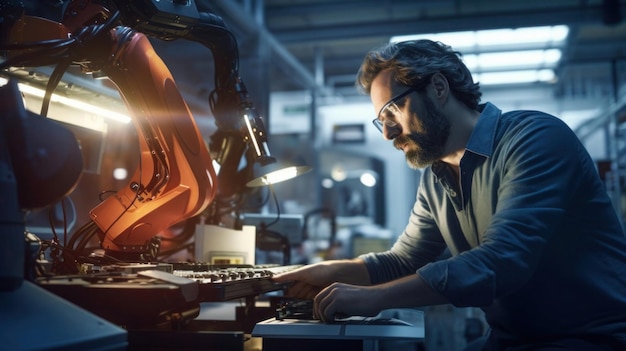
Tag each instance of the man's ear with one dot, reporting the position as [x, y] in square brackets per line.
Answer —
[441, 87]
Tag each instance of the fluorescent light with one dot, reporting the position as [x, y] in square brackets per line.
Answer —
[526, 35]
[483, 39]
[514, 77]
[527, 54]
[512, 59]
[79, 105]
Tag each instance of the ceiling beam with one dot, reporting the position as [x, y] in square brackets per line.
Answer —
[458, 22]
[248, 24]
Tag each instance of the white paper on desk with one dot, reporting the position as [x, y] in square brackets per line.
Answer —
[213, 241]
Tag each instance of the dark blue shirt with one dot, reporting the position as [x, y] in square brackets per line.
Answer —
[533, 236]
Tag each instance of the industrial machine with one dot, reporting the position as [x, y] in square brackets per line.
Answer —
[175, 179]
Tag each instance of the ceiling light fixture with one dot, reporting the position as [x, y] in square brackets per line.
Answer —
[515, 77]
[79, 105]
[522, 59]
[506, 56]
[549, 36]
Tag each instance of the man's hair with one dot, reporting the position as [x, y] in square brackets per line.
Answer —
[413, 60]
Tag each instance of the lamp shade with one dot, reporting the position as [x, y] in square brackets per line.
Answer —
[275, 172]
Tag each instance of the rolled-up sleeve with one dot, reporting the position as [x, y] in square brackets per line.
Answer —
[420, 242]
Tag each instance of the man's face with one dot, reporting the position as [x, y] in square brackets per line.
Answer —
[429, 130]
[420, 129]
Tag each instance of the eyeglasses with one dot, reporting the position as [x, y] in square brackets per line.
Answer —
[390, 111]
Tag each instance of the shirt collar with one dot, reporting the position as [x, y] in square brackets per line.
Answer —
[482, 139]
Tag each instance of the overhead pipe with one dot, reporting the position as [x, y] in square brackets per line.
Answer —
[249, 24]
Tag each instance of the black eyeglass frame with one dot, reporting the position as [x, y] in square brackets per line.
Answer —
[378, 123]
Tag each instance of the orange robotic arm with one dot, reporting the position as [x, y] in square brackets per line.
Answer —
[175, 178]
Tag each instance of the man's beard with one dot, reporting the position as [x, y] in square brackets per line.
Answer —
[428, 146]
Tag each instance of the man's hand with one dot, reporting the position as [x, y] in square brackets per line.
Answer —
[309, 280]
[342, 288]
[342, 300]
[306, 281]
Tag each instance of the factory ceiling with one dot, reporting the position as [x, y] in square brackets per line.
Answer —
[319, 44]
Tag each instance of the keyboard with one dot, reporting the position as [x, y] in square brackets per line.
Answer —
[223, 283]
[157, 297]
[136, 300]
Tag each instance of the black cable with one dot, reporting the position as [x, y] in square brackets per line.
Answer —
[69, 263]
[105, 192]
[37, 44]
[79, 233]
[102, 259]
[53, 81]
[37, 56]
[263, 202]
[163, 256]
[59, 52]
[51, 223]
[50, 52]
[271, 188]
[132, 203]
[189, 230]
[82, 244]
[64, 211]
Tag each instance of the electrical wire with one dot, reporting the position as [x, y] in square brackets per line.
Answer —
[276, 203]
[58, 52]
[51, 223]
[63, 52]
[64, 211]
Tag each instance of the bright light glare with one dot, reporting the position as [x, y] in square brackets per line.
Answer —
[216, 166]
[120, 173]
[79, 105]
[526, 35]
[513, 59]
[513, 77]
[327, 183]
[246, 119]
[368, 179]
[338, 174]
[280, 175]
[528, 54]
[483, 39]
